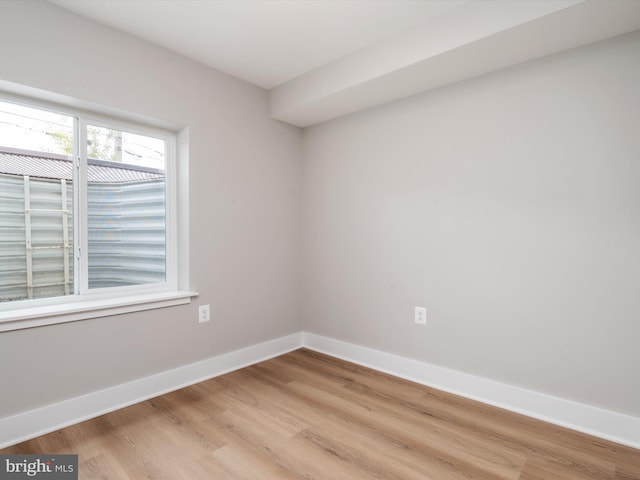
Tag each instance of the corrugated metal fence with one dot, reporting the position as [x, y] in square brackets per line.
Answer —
[126, 233]
[126, 225]
[32, 264]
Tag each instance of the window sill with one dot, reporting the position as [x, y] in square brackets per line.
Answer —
[93, 308]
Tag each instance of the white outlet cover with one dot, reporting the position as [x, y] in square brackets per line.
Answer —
[420, 316]
[204, 313]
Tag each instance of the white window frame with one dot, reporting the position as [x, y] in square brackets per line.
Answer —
[88, 303]
[170, 282]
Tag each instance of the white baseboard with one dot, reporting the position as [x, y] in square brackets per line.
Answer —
[595, 421]
[33, 423]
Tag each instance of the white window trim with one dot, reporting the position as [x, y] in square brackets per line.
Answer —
[88, 308]
[39, 312]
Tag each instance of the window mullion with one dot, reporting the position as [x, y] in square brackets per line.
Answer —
[81, 208]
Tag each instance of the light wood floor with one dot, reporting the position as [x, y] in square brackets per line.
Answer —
[308, 416]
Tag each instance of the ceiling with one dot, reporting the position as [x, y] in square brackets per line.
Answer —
[263, 42]
[321, 59]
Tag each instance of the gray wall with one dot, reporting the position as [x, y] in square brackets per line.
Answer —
[509, 206]
[244, 192]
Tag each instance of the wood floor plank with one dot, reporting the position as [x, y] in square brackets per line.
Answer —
[628, 466]
[536, 469]
[242, 462]
[305, 415]
[101, 467]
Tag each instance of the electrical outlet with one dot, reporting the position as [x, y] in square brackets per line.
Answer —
[420, 316]
[204, 313]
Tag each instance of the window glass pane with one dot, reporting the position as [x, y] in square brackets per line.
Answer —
[34, 129]
[126, 194]
[36, 203]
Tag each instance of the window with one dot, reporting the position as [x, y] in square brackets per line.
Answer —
[87, 212]
[126, 208]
